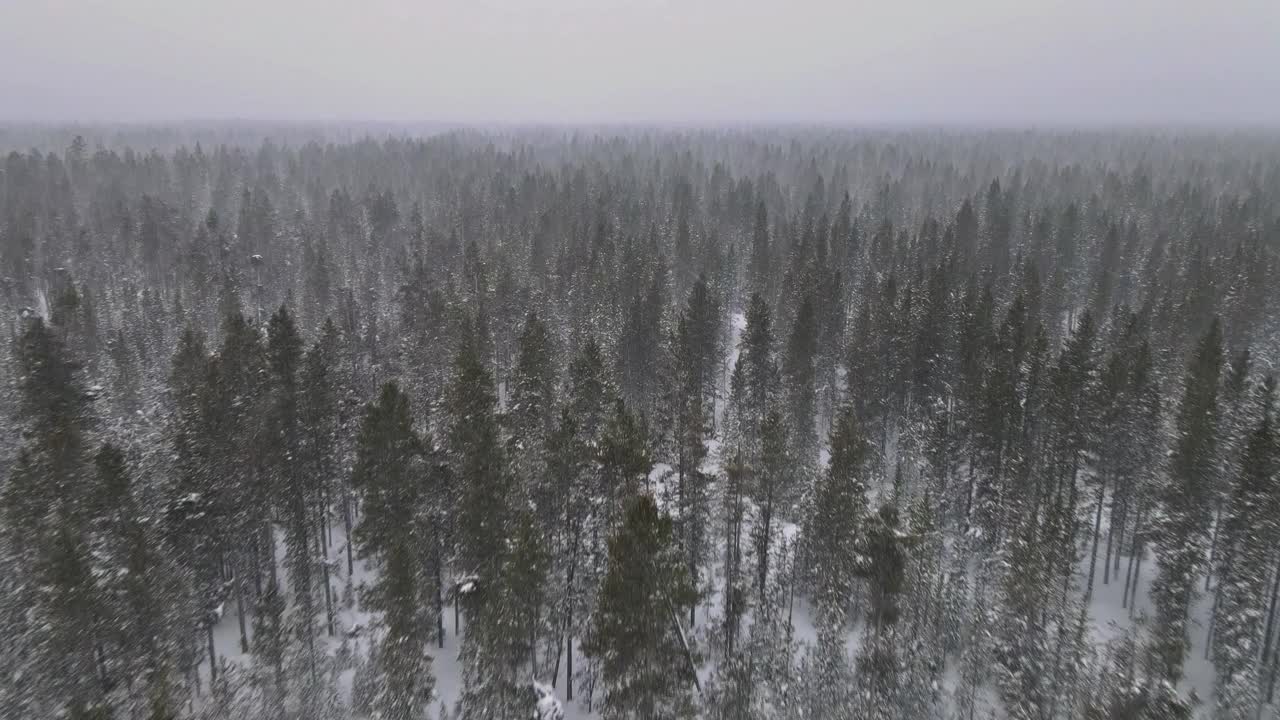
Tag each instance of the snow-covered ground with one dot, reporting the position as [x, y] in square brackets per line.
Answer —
[445, 663]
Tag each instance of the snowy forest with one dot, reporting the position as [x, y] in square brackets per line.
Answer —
[559, 423]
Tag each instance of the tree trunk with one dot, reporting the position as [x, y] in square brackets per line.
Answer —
[1271, 615]
[1068, 569]
[328, 599]
[439, 594]
[733, 548]
[762, 547]
[1133, 552]
[1140, 549]
[533, 641]
[1097, 527]
[1213, 545]
[1213, 622]
[1117, 517]
[555, 668]
[1121, 527]
[244, 634]
[255, 551]
[346, 531]
[568, 659]
[269, 543]
[213, 655]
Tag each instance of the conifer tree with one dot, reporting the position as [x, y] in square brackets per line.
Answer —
[52, 512]
[1249, 533]
[499, 652]
[884, 558]
[477, 464]
[694, 351]
[1139, 465]
[388, 474]
[318, 411]
[760, 253]
[799, 382]
[531, 411]
[236, 456]
[144, 596]
[1181, 537]
[635, 632]
[624, 462]
[295, 488]
[774, 490]
[269, 647]
[575, 460]
[840, 506]
[755, 380]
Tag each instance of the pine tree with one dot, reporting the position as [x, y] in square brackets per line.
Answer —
[194, 530]
[144, 594]
[531, 411]
[1233, 431]
[499, 652]
[575, 460]
[269, 648]
[54, 408]
[923, 632]
[52, 512]
[319, 414]
[640, 346]
[840, 507]
[694, 350]
[1181, 537]
[1250, 531]
[635, 631]
[773, 491]
[760, 280]
[799, 383]
[734, 517]
[477, 464]
[295, 489]
[827, 676]
[624, 462]
[236, 459]
[760, 679]
[389, 473]
[755, 379]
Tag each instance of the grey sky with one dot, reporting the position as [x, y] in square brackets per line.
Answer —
[1008, 62]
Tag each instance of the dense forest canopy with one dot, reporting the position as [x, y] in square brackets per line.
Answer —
[757, 422]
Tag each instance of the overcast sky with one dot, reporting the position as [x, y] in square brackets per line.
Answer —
[1005, 62]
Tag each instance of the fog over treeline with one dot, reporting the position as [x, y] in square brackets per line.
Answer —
[406, 421]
